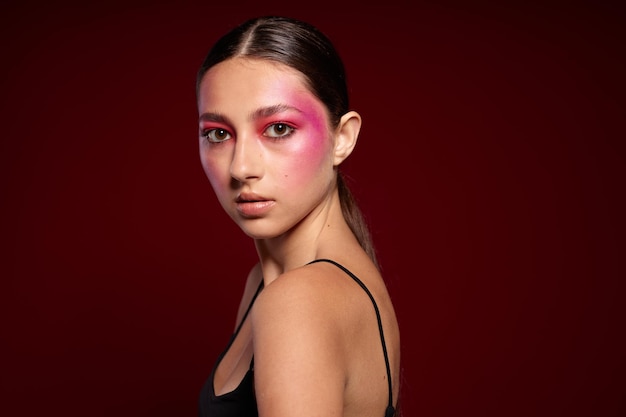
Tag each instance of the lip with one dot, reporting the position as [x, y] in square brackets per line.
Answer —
[251, 205]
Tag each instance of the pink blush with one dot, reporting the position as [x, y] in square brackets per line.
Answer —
[309, 155]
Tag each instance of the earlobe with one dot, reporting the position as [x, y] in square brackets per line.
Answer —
[346, 136]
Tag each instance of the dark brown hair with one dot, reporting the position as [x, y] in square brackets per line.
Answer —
[304, 48]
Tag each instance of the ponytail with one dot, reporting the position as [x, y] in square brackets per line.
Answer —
[355, 219]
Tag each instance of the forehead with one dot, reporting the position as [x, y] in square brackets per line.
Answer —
[244, 82]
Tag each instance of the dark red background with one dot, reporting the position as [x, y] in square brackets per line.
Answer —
[490, 166]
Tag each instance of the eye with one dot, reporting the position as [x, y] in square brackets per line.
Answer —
[216, 135]
[278, 130]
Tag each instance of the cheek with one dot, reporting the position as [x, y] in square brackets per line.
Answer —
[310, 156]
[308, 160]
[218, 175]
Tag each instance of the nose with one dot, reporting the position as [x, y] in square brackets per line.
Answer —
[247, 162]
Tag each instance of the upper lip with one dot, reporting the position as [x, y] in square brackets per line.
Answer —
[249, 198]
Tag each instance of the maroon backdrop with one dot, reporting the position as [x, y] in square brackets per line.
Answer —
[489, 165]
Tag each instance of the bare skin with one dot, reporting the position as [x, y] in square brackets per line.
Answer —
[312, 330]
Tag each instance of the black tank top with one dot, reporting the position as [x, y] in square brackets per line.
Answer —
[241, 402]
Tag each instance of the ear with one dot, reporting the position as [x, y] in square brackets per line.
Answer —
[346, 136]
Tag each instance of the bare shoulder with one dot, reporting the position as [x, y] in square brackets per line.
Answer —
[322, 291]
[315, 335]
[299, 347]
[312, 289]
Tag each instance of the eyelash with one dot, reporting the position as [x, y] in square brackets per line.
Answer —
[290, 130]
[209, 134]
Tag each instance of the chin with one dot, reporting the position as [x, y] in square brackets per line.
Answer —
[258, 234]
[257, 231]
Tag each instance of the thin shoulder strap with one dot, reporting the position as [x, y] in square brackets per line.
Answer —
[390, 408]
[248, 310]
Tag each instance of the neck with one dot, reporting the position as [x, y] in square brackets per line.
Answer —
[319, 233]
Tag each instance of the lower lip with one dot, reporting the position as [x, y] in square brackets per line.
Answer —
[254, 209]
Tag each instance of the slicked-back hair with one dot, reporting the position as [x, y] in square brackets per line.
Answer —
[303, 47]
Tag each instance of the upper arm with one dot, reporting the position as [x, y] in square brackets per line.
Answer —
[300, 368]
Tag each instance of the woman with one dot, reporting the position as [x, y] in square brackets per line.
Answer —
[316, 333]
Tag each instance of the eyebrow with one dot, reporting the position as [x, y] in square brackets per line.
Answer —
[272, 110]
[257, 114]
[214, 117]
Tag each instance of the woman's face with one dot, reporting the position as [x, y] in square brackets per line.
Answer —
[265, 144]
